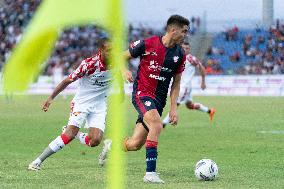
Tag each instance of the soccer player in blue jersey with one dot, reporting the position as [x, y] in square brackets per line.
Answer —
[161, 59]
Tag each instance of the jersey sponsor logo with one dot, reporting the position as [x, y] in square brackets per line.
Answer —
[147, 103]
[150, 53]
[154, 65]
[157, 77]
[101, 83]
[176, 59]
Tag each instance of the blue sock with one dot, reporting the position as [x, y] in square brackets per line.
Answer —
[151, 158]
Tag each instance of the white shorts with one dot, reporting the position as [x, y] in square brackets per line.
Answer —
[185, 95]
[95, 118]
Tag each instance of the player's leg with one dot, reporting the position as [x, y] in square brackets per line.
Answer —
[138, 139]
[153, 121]
[147, 110]
[76, 120]
[53, 147]
[200, 107]
[95, 123]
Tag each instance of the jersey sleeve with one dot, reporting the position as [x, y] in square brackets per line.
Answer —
[181, 65]
[80, 71]
[193, 61]
[137, 48]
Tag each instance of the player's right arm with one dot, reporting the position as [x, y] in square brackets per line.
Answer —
[126, 72]
[76, 74]
[135, 50]
[60, 87]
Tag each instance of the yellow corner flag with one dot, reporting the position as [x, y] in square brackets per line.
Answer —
[36, 46]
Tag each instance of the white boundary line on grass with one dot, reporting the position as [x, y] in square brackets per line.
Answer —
[281, 132]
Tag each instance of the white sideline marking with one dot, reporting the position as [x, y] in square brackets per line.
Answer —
[271, 132]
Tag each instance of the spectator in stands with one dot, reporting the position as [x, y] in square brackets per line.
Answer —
[235, 57]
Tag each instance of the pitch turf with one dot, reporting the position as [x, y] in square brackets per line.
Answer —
[246, 141]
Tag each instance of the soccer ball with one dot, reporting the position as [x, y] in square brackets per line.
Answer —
[206, 169]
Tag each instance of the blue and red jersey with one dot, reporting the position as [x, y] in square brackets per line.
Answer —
[158, 64]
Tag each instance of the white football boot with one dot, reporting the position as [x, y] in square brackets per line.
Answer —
[34, 166]
[106, 149]
[153, 177]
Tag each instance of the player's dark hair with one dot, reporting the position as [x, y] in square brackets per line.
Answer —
[101, 42]
[177, 20]
[186, 43]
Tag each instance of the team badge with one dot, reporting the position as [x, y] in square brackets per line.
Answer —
[176, 59]
[147, 103]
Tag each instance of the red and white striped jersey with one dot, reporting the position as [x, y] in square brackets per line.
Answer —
[94, 82]
[190, 64]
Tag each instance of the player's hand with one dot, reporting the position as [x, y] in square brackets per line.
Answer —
[203, 85]
[46, 104]
[128, 76]
[173, 117]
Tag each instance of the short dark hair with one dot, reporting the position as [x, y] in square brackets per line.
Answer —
[178, 21]
[101, 41]
[186, 43]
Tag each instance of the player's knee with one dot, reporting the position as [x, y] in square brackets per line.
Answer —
[95, 141]
[71, 132]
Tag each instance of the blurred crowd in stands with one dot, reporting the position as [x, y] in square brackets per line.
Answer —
[256, 51]
[74, 44]
[234, 51]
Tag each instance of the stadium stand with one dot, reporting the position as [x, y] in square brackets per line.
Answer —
[256, 51]
[74, 44]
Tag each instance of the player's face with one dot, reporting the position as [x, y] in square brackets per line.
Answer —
[180, 33]
[186, 48]
[106, 50]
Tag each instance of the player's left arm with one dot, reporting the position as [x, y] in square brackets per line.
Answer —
[202, 73]
[173, 97]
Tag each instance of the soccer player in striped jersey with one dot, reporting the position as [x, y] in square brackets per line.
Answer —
[185, 94]
[161, 59]
[89, 104]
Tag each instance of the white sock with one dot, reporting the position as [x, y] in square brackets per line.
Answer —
[166, 119]
[202, 107]
[83, 138]
[56, 144]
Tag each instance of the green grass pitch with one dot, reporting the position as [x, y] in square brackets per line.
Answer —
[246, 141]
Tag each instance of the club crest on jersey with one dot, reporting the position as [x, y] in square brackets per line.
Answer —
[176, 59]
[147, 103]
[134, 44]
